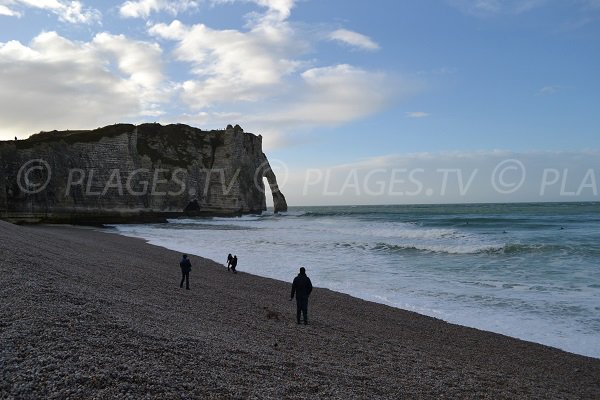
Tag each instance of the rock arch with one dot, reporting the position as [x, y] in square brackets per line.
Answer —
[279, 203]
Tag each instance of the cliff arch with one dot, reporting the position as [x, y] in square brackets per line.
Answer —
[279, 202]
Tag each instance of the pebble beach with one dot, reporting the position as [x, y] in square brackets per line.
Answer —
[87, 313]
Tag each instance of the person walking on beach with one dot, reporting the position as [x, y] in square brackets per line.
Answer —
[229, 258]
[234, 264]
[186, 267]
[301, 287]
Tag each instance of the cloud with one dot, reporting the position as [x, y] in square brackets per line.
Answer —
[56, 83]
[4, 10]
[417, 114]
[548, 90]
[483, 8]
[66, 10]
[238, 74]
[582, 12]
[259, 76]
[451, 177]
[332, 95]
[229, 65]
[278, 9]
[139, 61]
[354, 39]
[232, 66]
[324, 96]
[283, 7]
[143, 8]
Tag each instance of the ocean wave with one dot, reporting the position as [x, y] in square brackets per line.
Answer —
[511, 249]
[186, 221]
[411, 233]
[439, 248]
[321, 214]
[206, 220]
[518, 248]
[242, 218]
[293, 213]
[565, 249]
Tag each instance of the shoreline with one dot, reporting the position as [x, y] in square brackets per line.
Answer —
[114, 230]
[501, 269]
[103, 315]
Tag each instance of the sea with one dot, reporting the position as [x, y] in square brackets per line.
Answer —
[530, 271]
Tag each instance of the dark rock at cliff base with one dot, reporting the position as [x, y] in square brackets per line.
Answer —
[127, 173]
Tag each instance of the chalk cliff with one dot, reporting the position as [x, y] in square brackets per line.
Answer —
[129, 173]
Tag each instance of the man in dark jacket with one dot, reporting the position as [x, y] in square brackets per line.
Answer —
[302, 288]
[186, 267]
[234, 261]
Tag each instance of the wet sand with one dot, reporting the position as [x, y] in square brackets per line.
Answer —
[90, 314]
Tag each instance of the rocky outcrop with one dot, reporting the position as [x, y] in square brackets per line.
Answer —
[129, 173]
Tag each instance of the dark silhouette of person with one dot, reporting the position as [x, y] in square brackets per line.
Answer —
[186, 267]
[229, 258]
[301, 287]
[234, 264]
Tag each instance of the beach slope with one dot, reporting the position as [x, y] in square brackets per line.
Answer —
[90, 314]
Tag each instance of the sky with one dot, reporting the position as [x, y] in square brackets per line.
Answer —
[358, 102]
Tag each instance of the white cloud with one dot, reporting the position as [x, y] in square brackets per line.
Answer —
[174, 31]
[56, 83]
[4, 10]
[330, 96]
[354, 39]
[66, 10]
[255, 76]
[278, 9]
[325, 96]
[139, 61]
[230, 65]
[417, 114]
[143, 8]
[283, 7]
[241, 74]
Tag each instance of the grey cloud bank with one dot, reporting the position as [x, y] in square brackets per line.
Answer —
[451, 178]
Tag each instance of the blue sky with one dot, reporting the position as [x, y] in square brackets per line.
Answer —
[330, 85]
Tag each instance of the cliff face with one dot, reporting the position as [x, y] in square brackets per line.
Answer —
[128, 173]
